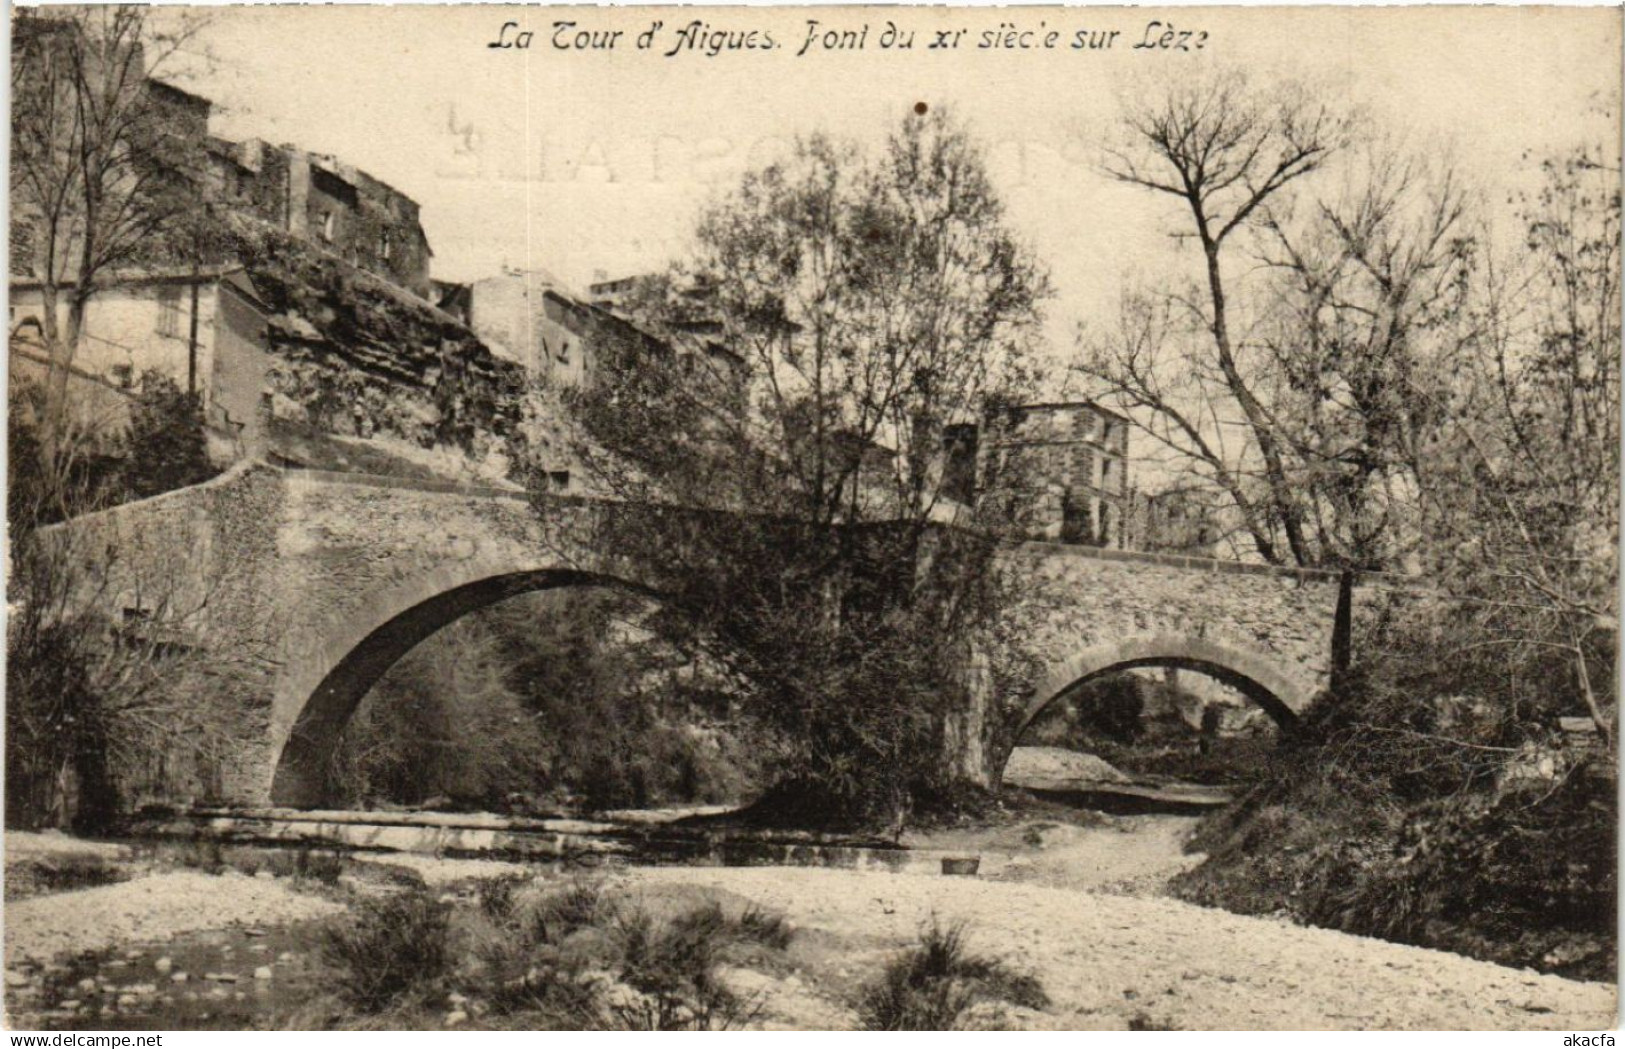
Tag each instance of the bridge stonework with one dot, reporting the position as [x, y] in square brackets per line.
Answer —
[309, 586]
[1082, 612]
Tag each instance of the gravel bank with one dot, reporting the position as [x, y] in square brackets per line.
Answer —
[1107, 959]
[147, 909]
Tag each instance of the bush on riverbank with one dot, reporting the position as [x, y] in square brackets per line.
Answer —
[932, 985]
[1407, 811]
[530, 956]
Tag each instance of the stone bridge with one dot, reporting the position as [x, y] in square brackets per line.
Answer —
[304, 587]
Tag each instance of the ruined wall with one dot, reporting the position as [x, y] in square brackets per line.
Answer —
[329, 203]
[1066, 464]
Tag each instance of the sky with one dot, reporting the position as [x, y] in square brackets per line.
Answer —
[589, 162]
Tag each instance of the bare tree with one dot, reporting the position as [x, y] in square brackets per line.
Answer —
[1224, 150]
[1365, 295]
[99, 178]
[112, 694]
[1520, 486]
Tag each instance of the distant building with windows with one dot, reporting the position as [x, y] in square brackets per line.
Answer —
[1179, 520]
[329, 203]
[1062, 467]
[205, 330]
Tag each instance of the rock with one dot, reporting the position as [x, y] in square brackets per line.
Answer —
[285, 956]
[71, 1003]
[162, 966]
[218, 993]
[128, 1001]
[87, 985]
[264, 875]
[133, 955]
[253, 932]
[178, 978]
[262, 973]
[15, 978]
[220, 977]
[456, 1017]
[142, 988]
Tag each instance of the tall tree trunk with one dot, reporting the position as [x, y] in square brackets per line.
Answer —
[1286, 506]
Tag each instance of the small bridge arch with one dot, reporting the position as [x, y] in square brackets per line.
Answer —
[1277, 691]
[333, 677]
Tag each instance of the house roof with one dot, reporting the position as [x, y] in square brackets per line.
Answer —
[228, 273]
[1052, 405]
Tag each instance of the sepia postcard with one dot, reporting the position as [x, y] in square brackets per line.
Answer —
[784, 518]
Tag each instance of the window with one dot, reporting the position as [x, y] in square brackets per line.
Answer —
[383, 245]
[169, 312]
[558, 480]
[1105, 473]
[327, 222]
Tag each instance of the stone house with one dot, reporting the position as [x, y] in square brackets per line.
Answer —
[329, 203]
[1180, 520]
[204, 329]
[1064, 467]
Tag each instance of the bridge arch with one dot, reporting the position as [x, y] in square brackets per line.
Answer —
[1277, 691]
[317, 701]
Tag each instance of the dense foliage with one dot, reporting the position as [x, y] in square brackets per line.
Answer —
[98, 709]
[546, 703]
[1433, 802]
[840, 312]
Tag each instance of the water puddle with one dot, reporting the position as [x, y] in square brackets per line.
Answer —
[213, 979]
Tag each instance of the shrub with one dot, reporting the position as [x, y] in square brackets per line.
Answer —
[1396, 811]
[574, 959]
[496, 896]
[525, 950]
[322, 865]
[396, 945]
[674, 966]
[770, 930]
[166, 447]
[928, 986]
